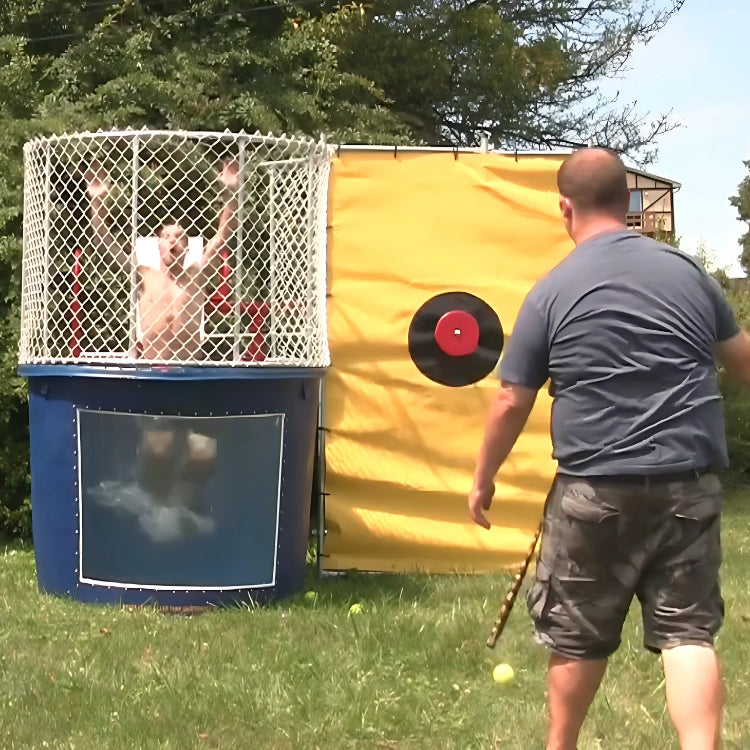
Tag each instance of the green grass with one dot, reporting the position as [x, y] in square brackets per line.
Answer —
[411, 671]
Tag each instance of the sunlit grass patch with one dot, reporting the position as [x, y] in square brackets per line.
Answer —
[410, 670]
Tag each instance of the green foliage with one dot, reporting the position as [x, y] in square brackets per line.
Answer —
[737, 403]
[14, 460]
[736, 398]
[522, 73]
[741, 202]
[409, 672]
[737, 418]
[436, 71]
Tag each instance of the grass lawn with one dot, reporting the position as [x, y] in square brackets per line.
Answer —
[411, 671]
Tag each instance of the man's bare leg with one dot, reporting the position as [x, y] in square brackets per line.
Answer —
[157, 449]
[572, 687]
[695, 695]
[198, 463]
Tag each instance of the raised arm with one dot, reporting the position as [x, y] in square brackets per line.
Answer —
[227, 218]
[103, 239]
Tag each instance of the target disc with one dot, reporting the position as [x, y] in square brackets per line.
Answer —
[455, 339]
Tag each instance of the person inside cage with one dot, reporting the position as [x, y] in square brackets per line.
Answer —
[171, 270]
[173, 463]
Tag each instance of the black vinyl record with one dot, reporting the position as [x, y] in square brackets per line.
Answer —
[455, 339]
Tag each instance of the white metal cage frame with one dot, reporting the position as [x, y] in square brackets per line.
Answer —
[165, 247]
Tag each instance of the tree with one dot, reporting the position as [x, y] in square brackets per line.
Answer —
[741, 202]
[213, 64]
[522, 72]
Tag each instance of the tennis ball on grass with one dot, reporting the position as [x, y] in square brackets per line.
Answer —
[311, 597]
[503, 673]
[355, 609]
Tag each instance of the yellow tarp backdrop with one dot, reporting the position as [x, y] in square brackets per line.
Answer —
[404, 227]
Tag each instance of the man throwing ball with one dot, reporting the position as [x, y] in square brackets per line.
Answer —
[627, 331]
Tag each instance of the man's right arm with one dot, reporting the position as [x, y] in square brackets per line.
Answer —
[734, 355]
[732, 347]
[104, 240]
[523, 371]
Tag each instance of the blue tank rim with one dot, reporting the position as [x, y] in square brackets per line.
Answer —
[169, 372]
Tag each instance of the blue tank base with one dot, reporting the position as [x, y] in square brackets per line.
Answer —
[180, 489]
[178, 601]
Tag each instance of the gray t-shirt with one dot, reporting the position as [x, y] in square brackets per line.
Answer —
[624, 329]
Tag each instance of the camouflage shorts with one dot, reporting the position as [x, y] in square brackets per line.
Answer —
[605, 541]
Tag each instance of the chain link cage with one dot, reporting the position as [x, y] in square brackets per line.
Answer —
[159, 247]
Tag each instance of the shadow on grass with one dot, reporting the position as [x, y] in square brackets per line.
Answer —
[360, 585]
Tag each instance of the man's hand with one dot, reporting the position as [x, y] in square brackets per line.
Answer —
[230, 175]
[96, 181]
[734, 355]
[480, 499]
[507, 416]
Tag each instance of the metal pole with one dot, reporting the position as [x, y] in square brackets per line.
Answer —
[321, 473]
[310, 256]
[272, 306]
[47, 212]
[239, 256]
[133, 241]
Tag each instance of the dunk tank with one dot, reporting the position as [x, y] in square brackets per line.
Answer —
[174, 341]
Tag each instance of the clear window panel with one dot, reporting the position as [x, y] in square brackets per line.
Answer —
[183, 502]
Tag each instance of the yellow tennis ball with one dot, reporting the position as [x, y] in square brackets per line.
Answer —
[356, 609]
[503, 673]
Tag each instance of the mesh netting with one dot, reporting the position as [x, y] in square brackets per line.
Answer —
[164, 247]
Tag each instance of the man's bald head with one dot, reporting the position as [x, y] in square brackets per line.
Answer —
[595, 181]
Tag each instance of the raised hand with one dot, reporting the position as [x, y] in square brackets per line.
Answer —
[230, 174]
[96, 180]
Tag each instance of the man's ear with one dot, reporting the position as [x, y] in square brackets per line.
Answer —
[566, 207]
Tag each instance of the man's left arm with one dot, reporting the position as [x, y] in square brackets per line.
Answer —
[524, 370]
[227, 219]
